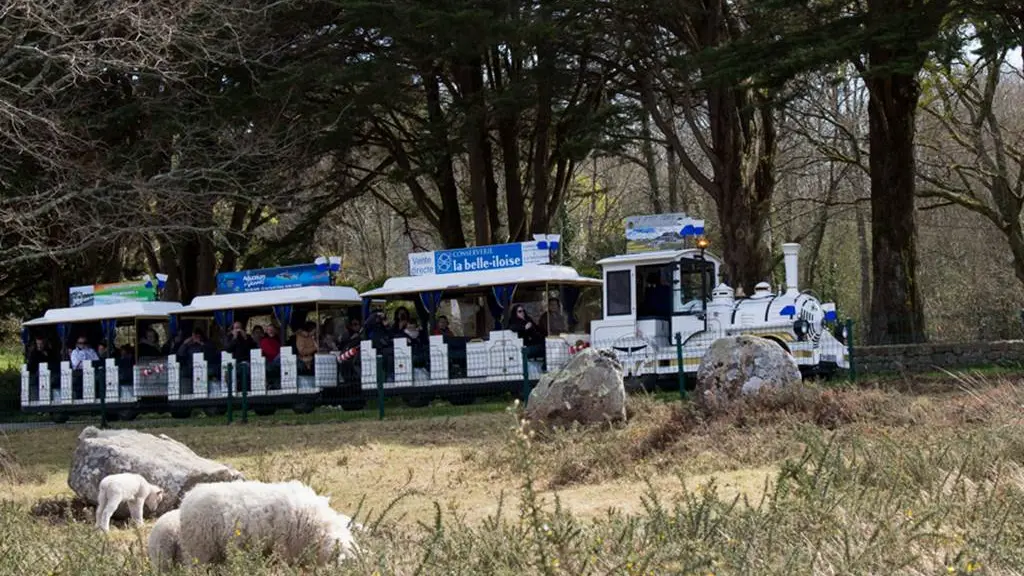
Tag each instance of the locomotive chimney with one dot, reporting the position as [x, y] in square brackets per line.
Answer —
[791, 253]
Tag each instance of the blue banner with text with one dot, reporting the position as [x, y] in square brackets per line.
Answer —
[477, 259]
[272, 279]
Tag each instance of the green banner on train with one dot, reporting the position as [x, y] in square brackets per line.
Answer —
[113, 293]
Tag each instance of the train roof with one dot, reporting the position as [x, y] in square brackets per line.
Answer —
[654, 257]
[106, 312]
[302, 295]
[465, 281]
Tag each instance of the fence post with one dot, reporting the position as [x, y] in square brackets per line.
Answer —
[380, 387]
[229, 381]
[244, 378]
[102, 378]
[524, 393]
[679, 366]
[849, 349]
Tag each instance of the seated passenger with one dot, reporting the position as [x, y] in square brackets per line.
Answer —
[376, 331]
[149, 346]
[413, 332]
[525, 327]
[305, 344]
[441, 327]
[195, 344]
[39, 354]
[327, 341]
[239, 343]
[553, 321]
[352, 334]
[270, 345]
[401, 321]
[103, 351]
[82, 353]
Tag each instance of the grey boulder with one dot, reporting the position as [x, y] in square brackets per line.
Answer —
[741, 365]
[588, 390]
[163, 461]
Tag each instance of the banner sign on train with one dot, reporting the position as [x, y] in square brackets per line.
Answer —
[654, 232]
[477, 259]
[114, 293]
[265, 279]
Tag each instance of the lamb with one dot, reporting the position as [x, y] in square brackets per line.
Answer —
[285, 518]
[127, 487]
[164, 544]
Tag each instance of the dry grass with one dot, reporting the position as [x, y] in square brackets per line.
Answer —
[805, 480]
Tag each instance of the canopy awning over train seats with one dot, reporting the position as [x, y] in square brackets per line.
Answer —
[106, 312]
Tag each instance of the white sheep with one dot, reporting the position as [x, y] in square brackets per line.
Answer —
[132, 489]
[285, 518]
[164, 544]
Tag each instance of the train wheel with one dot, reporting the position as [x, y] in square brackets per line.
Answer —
[127, 415]
[417, 400]
[353, 404]
[462, 400]
[215, 411]
[181, 413]
[59, 417]
[264, 410]
[303, 407]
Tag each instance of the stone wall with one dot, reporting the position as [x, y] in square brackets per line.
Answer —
[931, 357]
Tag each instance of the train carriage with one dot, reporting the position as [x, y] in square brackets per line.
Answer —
[484, 355]
[123, 383]
[286, 298]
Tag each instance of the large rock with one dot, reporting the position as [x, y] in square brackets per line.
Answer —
[160, 459]
[739, 365]
[587, 390]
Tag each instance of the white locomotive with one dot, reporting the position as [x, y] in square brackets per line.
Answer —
[652, 300]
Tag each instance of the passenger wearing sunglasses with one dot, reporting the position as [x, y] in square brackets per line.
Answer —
[82, 353]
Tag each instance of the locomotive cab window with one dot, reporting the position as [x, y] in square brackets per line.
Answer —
[617, 287]
[654, 291]
[695, 285]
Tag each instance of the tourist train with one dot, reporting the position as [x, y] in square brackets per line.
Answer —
[463, 323]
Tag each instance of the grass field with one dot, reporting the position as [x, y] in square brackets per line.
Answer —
[804, 481]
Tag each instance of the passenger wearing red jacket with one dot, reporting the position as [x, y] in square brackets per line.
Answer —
[271, 344]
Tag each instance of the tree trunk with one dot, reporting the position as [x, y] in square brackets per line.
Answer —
[897, 314]
[475, 135]
[452, 235]
[169, 265]
[491, 185]
[742, 138]
[542, 134]
[650, 161]
[673, 178]
[238, 217]
[740, 153]
[865, 269]
[206, 269]
[59, 287]
[743, 252]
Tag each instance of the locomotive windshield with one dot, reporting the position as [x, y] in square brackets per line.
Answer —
[695, 285]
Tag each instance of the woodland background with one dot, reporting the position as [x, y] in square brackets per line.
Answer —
[192, 137]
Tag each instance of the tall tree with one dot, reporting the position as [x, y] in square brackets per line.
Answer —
[500, 98]
[204, 148]
[888, 41]
[972, 150]
[732, 126]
